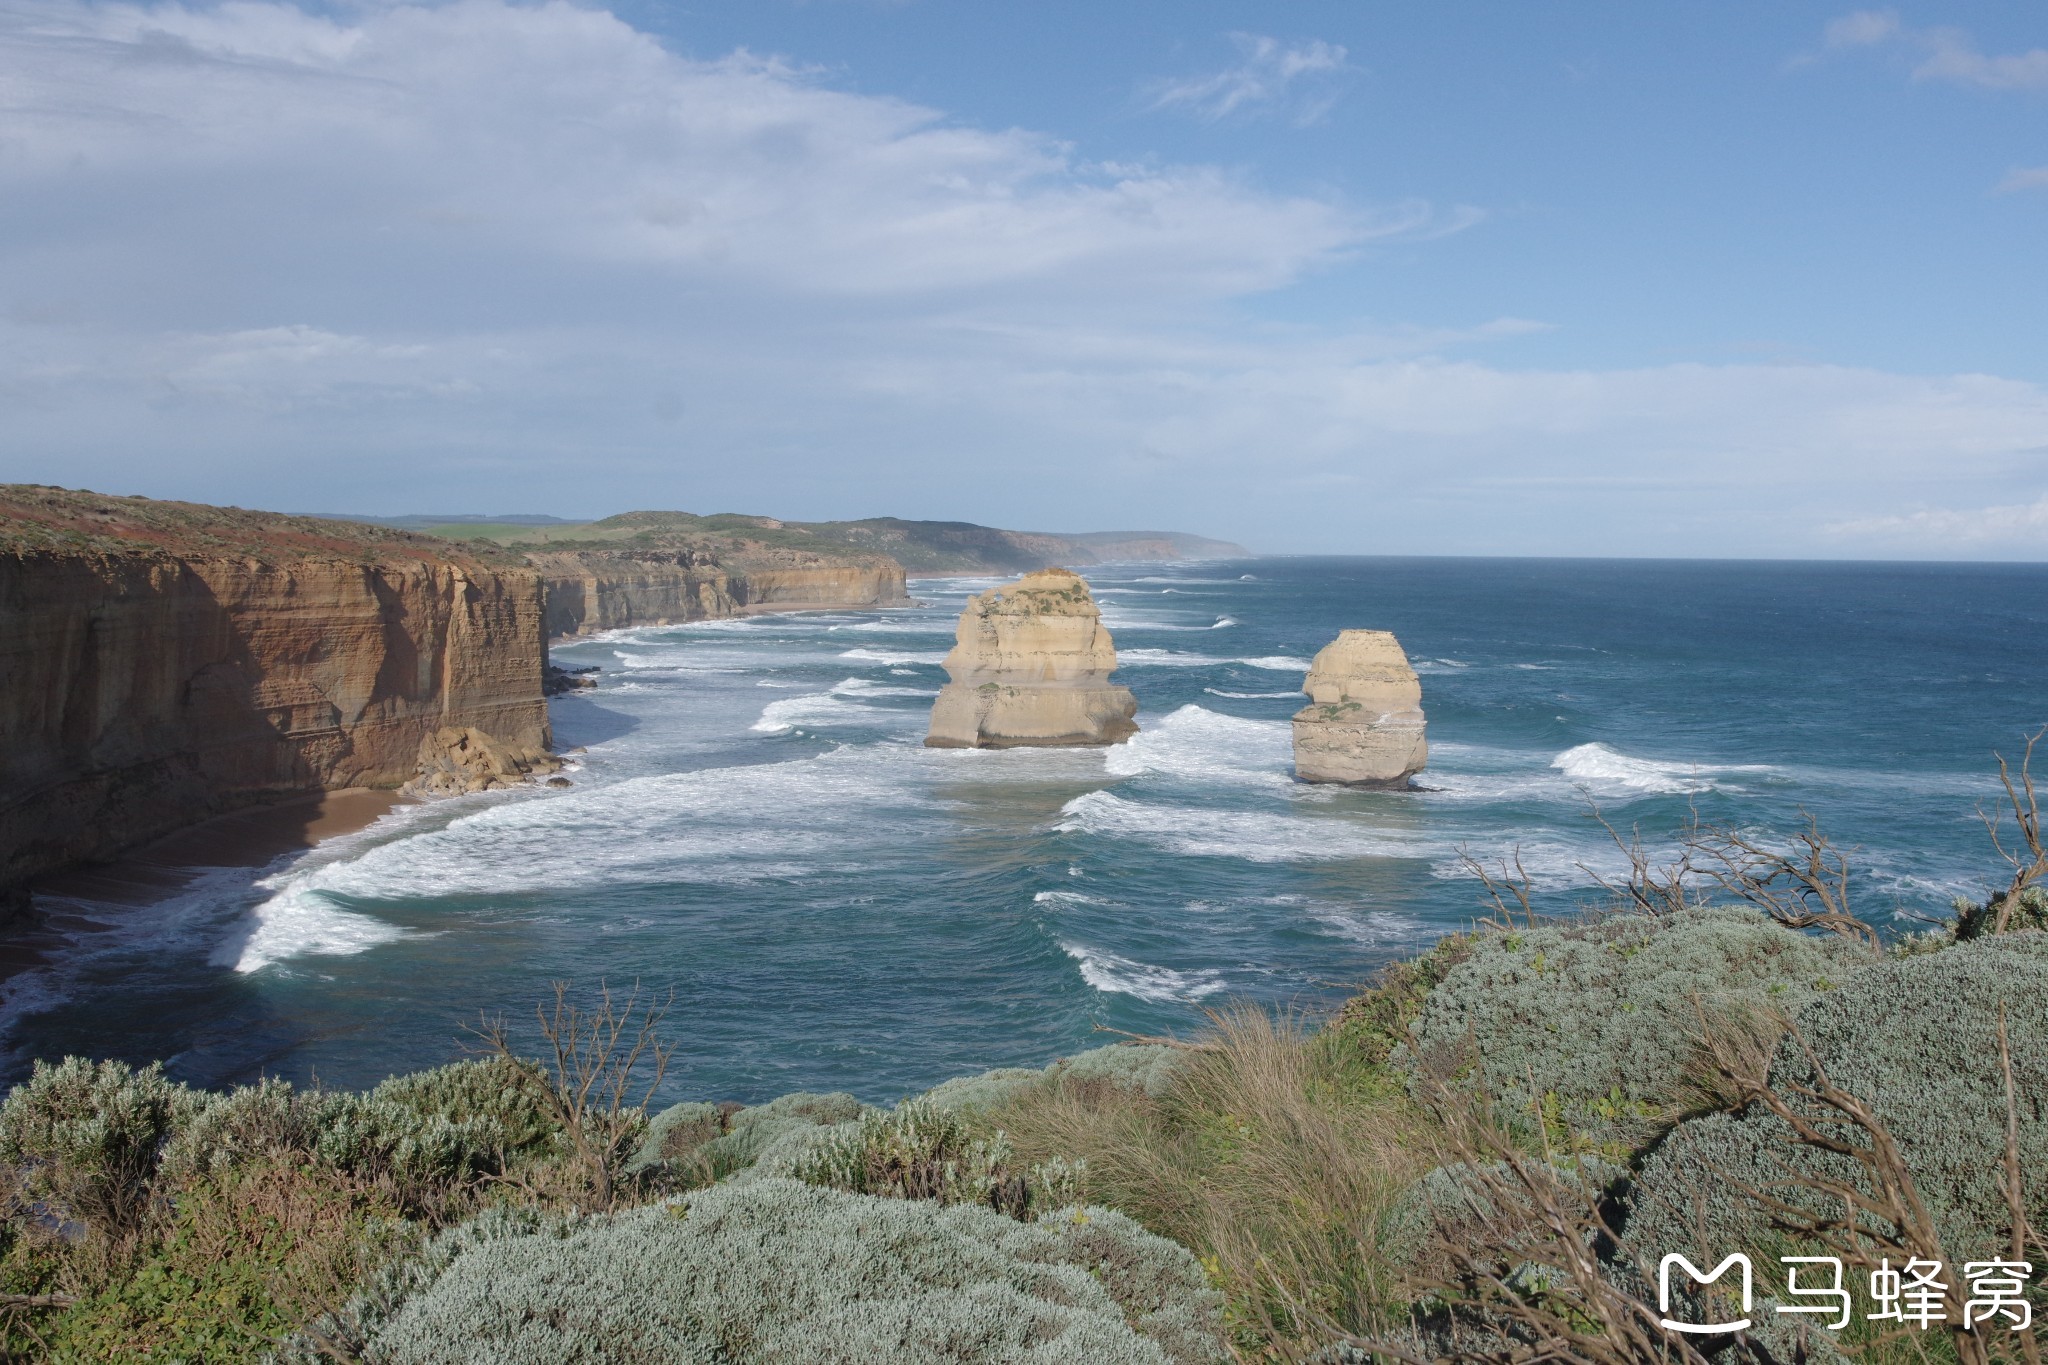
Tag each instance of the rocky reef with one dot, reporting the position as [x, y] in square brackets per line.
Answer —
[166, 662]
[1363, 724]
[1031, 666]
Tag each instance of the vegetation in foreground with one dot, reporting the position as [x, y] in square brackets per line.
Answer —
[1482, 1158]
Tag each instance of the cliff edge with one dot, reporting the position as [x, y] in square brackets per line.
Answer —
[1031, 666]
[165, 662]
[662, 568]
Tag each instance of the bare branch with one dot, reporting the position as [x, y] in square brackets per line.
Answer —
[1510, 883]
[1805, 888]
[1653, 890]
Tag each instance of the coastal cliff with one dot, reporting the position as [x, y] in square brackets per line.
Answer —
[1031, 667]
[662, 568]
[166, 662]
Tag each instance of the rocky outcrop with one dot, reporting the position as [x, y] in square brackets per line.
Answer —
[593, 590]
[1031, 666]
[459, 759]
[164, 662]
[1363, 724]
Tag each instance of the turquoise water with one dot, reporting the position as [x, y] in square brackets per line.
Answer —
[755, 823]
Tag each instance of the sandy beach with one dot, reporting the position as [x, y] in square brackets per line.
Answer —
[248, 838]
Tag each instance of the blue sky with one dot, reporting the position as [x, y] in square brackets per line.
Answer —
[1427, 278]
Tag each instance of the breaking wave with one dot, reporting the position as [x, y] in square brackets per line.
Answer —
[1115, 975]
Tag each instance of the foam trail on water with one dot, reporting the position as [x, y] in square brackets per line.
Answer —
[1116, 975]
[1611, 772]
[1197, 743]
[1252, 696]
[891, 656]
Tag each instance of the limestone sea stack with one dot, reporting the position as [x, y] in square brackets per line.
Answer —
[1363, 724]
[1031, 667]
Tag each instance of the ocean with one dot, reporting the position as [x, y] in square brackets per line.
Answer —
[756, 827]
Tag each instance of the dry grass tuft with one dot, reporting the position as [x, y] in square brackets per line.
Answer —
[1275, 1154]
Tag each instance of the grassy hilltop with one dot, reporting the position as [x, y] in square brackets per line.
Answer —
[922, 547]
[1483, 1157]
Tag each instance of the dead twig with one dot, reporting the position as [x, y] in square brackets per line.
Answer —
[1805, 888]
[2029, 859]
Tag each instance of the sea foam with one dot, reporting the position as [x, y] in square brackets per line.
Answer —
[1116, 975]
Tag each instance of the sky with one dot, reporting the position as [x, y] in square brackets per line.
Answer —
[1335, 276]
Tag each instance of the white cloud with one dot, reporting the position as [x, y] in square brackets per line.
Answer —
[1950, 54]
[1862, 28]
[2024, 178]
[479, 127]
[2019, 525]
[1300, 77]
[494, 256]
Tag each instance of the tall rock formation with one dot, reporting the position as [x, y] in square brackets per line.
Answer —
[165, 662]
[1031, 667]
[1363, 724]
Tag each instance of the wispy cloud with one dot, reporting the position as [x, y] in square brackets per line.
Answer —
[1303, 79]
[1862, 28]
[2024, 178]
[2020, 525]
[1947, 54]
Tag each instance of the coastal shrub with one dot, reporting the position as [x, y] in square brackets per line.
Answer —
[675, 1133]
[1276, 1155]
[504, 1097]
[1375, 1022]
[774, 1270]
[238, 1260]
[361, 1135]
[1449, 1202]
[1145, 1067]
[84, 1137]
[1916, 1039]
[782, 1127]
[1974, 920]
[1591, 1023]
[915, 1151]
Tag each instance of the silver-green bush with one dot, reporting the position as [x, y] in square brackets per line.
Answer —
[85, 1137]
[1138, 1066]
[1601, 1016]
[361, 1134]
[1916, 1039]
[773, 1270]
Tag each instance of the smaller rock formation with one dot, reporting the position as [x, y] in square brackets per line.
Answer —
[1031, 667]
[1363, 724]
[458, 759]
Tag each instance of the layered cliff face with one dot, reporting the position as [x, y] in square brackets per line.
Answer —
[610, 590]
[165, 662]
[1031, 666]
[591, 590]
[1364, 723]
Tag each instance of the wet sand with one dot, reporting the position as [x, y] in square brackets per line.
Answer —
[249, 838]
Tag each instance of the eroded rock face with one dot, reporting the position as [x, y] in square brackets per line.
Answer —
[1031, 666]
[1363, 724]
[161, 663]
[593, 590]
[458, 759]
